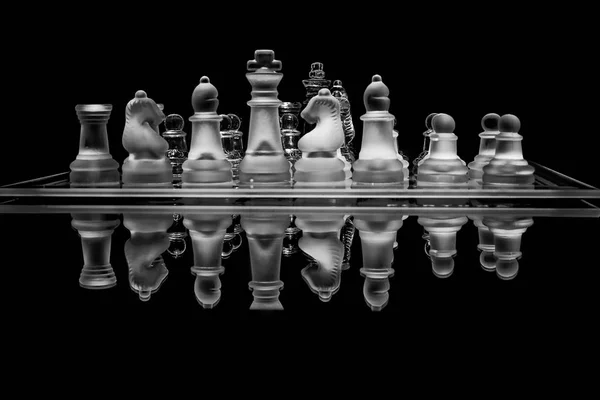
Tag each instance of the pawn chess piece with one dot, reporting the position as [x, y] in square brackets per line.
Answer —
[176, 139]
[95, 231]
[426, 145]
[315, 82]
[487, 260]
[403, 159]
[377, 161]
[264, 161]
[442, 166]
[507, 232]
[147, 163]
[487, 145]
[207, 164]
[265, 232]
[143, 251]
[288, 120]
[321, 243]
[94, 166]
[442, 237]
[207, 232]
[320, 162]
[233, 145]
[508, 167]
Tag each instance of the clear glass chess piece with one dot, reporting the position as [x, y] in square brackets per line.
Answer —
[487, 145]
[177, 235]
[236, 154]
[290, 240]
[288, 120]
[315, 82]
[426, 146]
[401, 156]
[176, 138]
[347, 236]
[347, 150]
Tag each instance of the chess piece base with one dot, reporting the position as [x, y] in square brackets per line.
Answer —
[146, 172]
[378, 171]
[206, 171]
[442, 171]
[319, 170]
[507, 174]
[272, 168]
[95, 173]
[97, 277]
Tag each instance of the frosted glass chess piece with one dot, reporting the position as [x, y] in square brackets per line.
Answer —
[94, 166]
[508, 167]
[144, 249]
[264, 161]
[207, 231]
[288, 120]
[320, 162]
[347, 150]
[321, 243]
[315, 82]
[207, 164]
[507, 231]
[378, 160]
[377, 235]
[426, 145]
[442, 238]
[177, 234]
[443, 167]
[403, 159]
[487, 145]
[232, 141]
[147, 163]
[95, 231]
[486, 246]
[265, 232]
[176, 139]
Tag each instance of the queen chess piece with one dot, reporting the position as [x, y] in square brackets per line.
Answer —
[94, 166]
[442, 232]
[487, 146]
[176, 139]
[508, 232]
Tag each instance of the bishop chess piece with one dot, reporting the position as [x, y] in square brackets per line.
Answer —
[264, 161]
[487, 145]
[443, 167]
[403, 159]
[507, 232]
[508, 167]
[347, 150]
[147, 163]
[176, 139]
[321, 243]
[94, 166]
[95, 231]
[207, 232]
[207, 164]
[144, 249]
[486, 246]
[426, 145]
[315, 82]
[442, 238]
[288, 120]
[320, 162]
[377, 161]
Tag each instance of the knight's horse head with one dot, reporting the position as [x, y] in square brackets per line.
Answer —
[143, 109]
[323, 104]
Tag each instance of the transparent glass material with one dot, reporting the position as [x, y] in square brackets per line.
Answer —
[177, 140]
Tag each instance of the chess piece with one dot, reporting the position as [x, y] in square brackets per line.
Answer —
[147, 163]
[319, 162]
[94, 166]
[426, 145]
[507, 232]
[403, 159]
[207, 232]
[95, 231]
[377, 235]
[347, 236]
[232, 141]
[377, 161]
[288, 120]
[315, 82]
[487, 260]
[143, 251]
[487, 145]
[264, 232]
[232, 240]
[442, 236]
[206, 164]
[347, 149]
[442, 166]
[177, 234]
[291, 238]
[508, 167]
[176, 139]
[321, 243]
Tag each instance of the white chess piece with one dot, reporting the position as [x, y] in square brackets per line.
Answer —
[487, 145]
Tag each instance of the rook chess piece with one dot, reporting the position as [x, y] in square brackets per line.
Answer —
[487, 145]
[178, 150]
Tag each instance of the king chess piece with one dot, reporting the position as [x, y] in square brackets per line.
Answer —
[264, 161]
[147, 163]
[442, 240]
[507, 232]
[207, 163]
[315, 82]
[176, 139]
[487, 145]
[320, 162]
[377, 161]
[508, 167]
[94, 166]
[442, 166]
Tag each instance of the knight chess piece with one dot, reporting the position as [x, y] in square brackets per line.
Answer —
[487, 145]
[176, 139]
[486, 246]
[95, 231]
[377, 161]
[320, 162]
[508, 167]
[147, 163]
[288, 120]
[94, 166]
[207, 163]
[507, 232]
[426, 145]
[442, 236]
[315, 82]
[443, 166]
[347, 237]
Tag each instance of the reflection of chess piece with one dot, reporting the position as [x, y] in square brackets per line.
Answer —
[347, 149]
[178, 150]
[486, 245]
[508, 167]
[264, 161]
[426, 145]
[507, 233]
[207, 232]
[487, 145]
[377, 236]
[95, 231]
[206, 163]
[265, 238]
[94, 166]
[321, 243]
[315, 82]
[147, 163]
[233, 238]
[177, 234]
[377, 161]
[149, 239]
[288, 120]
[442, 236]
[347, 236]
[290, 240]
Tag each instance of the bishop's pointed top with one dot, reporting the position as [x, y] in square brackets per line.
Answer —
[204, 98]
[376, 95]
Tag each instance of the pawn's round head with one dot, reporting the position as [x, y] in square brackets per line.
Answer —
[324, 92]
[174, 122]
[376, 95]
[442, 267]
[443, 123]
[140, 94]
[236, 122]
[507, 269]
[490, 121]
[487, 260]
[204, 98]
[225, 124]
[509, 123]
[429, 119]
